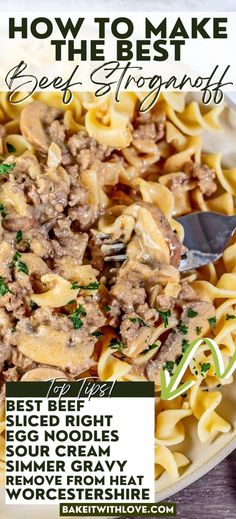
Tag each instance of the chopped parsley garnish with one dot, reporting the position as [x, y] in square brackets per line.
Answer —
[115, 344]
[33, 305]
[75, 286]
[182, 328]
[2, 210]
[13, 330]
[150, 347]
[6, 168]
[94, 285]
[81, 310]
[198, 330]
[212, 322]
[191, 313]
[137, 320]
[185, 345]
[19, 236]
[97, 334]
[20, 265]
[3, 287]
[205, 367]
[10, 148]
[76, 321]
[169, 366]
[16, 256]
[164, 316]
[230, 316]
[107, 308]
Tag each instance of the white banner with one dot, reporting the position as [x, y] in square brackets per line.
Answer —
[100, 52]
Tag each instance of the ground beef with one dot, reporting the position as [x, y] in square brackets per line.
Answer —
[129, 288]
[78, 195]
[180, 182]
[5, 353]
[164, 302]
[84, 216]
[15, 300]
[38, 242]
[57, 133]
[149, 315]
[113, 312]
[193, 175]
[24, 223]
[149, 131]
[6, 322]
[11, 375]
[187, 293]
[129, 328]
[204, 175]
[137, 334]
[53, 198]
[24, 165]
[69, 243]
[86, 149]
[133, 283]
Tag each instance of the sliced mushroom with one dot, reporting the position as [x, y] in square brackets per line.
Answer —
[155, 240]
[170, 236]
[34, 117]
[48, 345]
[43, 374]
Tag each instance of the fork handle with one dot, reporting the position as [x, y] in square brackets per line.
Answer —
[232, 221]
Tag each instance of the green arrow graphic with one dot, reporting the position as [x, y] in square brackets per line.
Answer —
[169, 385]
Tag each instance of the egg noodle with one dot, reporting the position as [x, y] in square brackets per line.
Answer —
[89, 175]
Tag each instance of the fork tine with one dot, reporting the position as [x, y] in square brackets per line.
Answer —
[206, 236]
[110, 247]
[101, 235]
[118, 257]
[194, 259]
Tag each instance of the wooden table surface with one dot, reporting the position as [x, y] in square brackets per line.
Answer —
[211, 497]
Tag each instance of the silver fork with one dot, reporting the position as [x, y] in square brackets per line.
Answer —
[206, 237]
